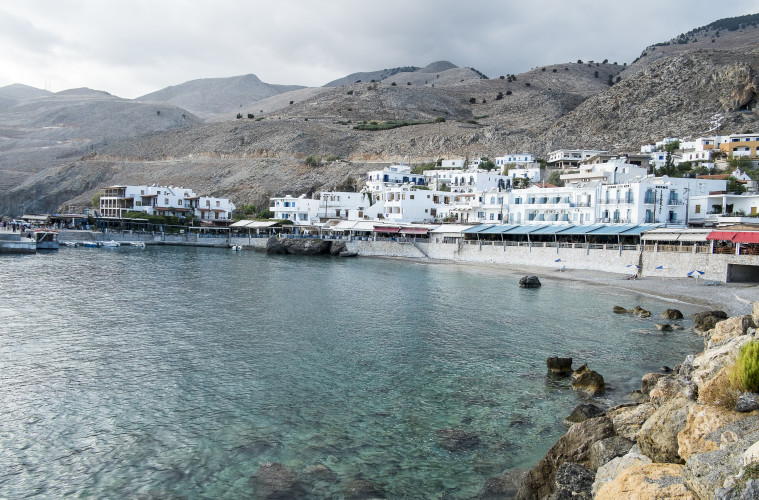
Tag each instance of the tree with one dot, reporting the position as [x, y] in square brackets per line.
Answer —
[487, 164]
[521, 183]
[250, 116]
[671, 147]
[96, 200]
[555, 179]
[734, 186]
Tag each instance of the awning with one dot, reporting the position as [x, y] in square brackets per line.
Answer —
[747, 237]
[500, 229]
[611, 230]
[722, 235]
[477, 229]
[580, 230]
[386, 229]
[556, 228]
[663, 236]
[636, 231]
[414, 230]
[524, 229]
[254, 224]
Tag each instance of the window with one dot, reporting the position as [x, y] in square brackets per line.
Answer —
[411, 196]
[492, 216]
[218, 203]
[698, 209]
[166, 201]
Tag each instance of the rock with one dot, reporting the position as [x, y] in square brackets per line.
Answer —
[718, 391]
[628, 420]
[706, 472]
[668, 388]
[671, 314]
[609, 471]
[505, 486]
[751, 455]
[641, 313]
[708, 319]
[665, 369]
[573, 446]
[663, 327]
[585, 379]
[456, 439]
[620, 310]
[710, 362]
[703, 429]
[748, 401]
[755, 313]
[529, 282]
[573, 481]
[729, 329]
[274, 246]
[274, 480]
[647, 482]
[637, 397]
[658, 435]
[321, 472]
[361, 490]
[608, 449]
[583, 412]
[648, 382]
[678, 327]
[337, 247]
[559, 365]
[297, 246]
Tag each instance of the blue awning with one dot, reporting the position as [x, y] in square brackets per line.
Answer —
[500, 229]
[476, 229]
[580, 229]
[523, 229]
[612, 230]
[556, 228]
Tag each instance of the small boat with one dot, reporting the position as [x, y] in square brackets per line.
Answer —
[140, 244]
[110, 244]
[46, 239]
[69, 243]
[89, 244]
[236, 248]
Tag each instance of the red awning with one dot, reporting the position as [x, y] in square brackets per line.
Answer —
[414, 230]
[721, 235]
[747, 237]
[381, 229]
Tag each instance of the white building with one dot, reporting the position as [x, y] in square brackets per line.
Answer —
[459, 163]
[466, 181]
[570, 158]
[709, 208]
[377, 180]
[611, 172]
[520, 159]
[115, 201]
[329, 205]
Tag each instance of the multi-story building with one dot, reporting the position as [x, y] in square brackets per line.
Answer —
[740, 145]
[519, 160]
[377, 180]
[570, 158]
[466, 181]
[612, 172]
[115, 201]
[329, 205]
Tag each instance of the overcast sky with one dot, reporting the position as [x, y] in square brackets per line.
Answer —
[132, 47]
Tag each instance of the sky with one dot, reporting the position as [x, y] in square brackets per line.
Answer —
[133, 47]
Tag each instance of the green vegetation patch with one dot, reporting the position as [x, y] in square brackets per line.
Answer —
[389, 124]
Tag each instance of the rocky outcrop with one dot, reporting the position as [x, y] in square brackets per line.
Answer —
[574, 446]
[708, 319]
[574, 482]
[561, 366]
[583, 412]
[729, 329]
[585, 379]
[647, 482]
[298, 246]
[529, 282]
[671, 314]
[658, 436]
[641, 313]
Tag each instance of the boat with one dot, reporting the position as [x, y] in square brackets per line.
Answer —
[14, 243]
[140, 244]
[89, 244]
[236, 248]
[46, 239]
[110, 244]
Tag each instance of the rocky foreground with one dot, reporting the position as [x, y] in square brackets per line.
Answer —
[688, 435]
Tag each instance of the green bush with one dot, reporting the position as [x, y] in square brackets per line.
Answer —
[746, 372]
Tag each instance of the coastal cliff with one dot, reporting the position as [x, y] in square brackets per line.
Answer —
[689, 434]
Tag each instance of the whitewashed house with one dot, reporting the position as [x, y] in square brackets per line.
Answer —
[329, 205]
[570, 158]
[611, 172]
[377, 180]
[115, 201]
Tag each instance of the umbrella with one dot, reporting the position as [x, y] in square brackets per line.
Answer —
[557, 260]
[659, 267]
[696, 272]
[636, 266]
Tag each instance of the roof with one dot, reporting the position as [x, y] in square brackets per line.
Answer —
[722, 235]
[719, 177]
[639, 229]
[450, 228]
[736, 236]
[477, 229]
[386, 229]
[499, 229]
[557, 228]
[254, 224]
[611, 230]
[580, 229]
[414, 230]
[669, 234]
[524, 229]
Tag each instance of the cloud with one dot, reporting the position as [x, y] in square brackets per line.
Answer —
[132, 48]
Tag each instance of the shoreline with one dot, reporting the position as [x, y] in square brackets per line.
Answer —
[734, 298]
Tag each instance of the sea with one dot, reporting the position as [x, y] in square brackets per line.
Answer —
[177, 372]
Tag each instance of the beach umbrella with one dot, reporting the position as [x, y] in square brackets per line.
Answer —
[659, 267]
[557, 260]
[696, 272]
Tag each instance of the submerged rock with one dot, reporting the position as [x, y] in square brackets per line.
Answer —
[663, 327]
[671, 314]
[583, 412]
[559, 365]
[505, 486]
[620, 310]
[361, 490]
[456, 439]
[274, 480]
[529, 282]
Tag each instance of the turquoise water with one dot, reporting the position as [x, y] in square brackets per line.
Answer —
[177, 372]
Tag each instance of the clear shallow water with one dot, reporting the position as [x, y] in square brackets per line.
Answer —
[179, 371]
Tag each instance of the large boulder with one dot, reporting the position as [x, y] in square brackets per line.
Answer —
[718, 390]
[707, 364]
[609, 471]
[658, 436]
[670, 388]
[703, 429]
[529, 282]
[574, 482]
[641, 313]
[573, 446]
[648, 382]
[608, 449]
[585, 379]
[274, 480]
[708, 319]
[706, 473]
[561, 366]
[650, 481]
[628, 420]
[456, 439]
[297, 246]
[729, 329]
[671, 314]
[583, 412]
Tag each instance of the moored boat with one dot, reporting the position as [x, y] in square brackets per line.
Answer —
[46, 239]
[110, 244]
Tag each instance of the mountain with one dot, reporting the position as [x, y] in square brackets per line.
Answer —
[208, 96]
[11, 95]
[676, 89]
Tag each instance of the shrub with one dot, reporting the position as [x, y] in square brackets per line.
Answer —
[508, 92]
[312, 161]
[499, 96]
[472, 100]
[350, 92]
[250, 116]
[392, 84]
[554, 70]
[746, 373]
